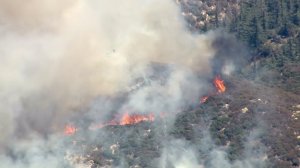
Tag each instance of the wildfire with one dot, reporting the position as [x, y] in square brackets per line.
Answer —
[70, 130]
[219, 84]
[135, 118]
[130, 119]
[126, 119]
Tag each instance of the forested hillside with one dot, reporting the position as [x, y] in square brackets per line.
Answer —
[269, 28]
[255, 122]
[271, 31]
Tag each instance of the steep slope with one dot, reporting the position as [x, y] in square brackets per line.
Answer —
[251, 123]
[255, 122]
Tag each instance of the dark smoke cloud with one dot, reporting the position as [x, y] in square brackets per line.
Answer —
[231, 54]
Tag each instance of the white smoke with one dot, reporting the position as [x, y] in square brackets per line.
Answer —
[57, 56]
[34, 153]
[180, 88]
[178, 154]
[181, 154]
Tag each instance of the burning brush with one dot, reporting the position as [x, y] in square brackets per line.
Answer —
[131, 119]
[126, 119]
[220, 88]
[219, 84]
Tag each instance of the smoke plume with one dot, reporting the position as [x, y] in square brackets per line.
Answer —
[58, 56]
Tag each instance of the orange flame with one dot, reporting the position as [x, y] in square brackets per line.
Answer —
[219, 84]
[126, 119]
[130, 119]
[70, 130]
[135, 118]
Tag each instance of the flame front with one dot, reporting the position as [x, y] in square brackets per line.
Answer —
[135, 118]
[126, 119]
[219, 84]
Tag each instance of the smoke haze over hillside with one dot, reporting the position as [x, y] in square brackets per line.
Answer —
[58, 56]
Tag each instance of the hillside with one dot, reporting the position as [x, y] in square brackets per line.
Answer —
[269, 28]
[258, 116]
[257, 128]
[150, 84]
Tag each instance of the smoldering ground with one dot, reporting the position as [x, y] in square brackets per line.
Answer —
[58, 56]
